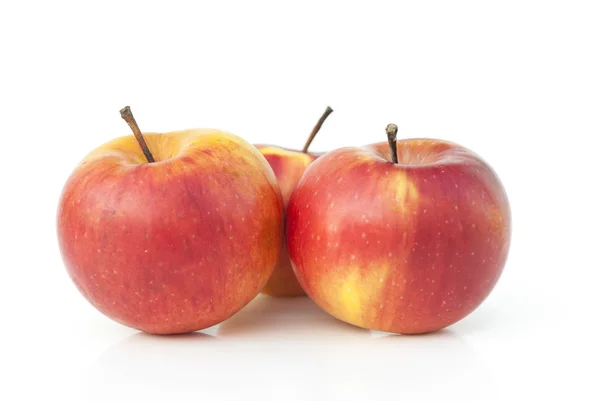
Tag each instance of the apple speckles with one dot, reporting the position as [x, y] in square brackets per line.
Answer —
[363, 235]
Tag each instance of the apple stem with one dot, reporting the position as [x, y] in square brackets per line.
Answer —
[127, 115]
[316, 129]
[392, 131]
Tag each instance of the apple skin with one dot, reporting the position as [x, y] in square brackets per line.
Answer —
[288, 166]
[405, 248]
[177, 245]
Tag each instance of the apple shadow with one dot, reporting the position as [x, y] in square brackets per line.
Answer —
[298, 318]
[486, 318]
[147, 366]
[420, 365]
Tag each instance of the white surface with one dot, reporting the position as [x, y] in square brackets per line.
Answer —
[516, 81]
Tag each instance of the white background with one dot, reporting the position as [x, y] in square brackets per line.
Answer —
[516, 81]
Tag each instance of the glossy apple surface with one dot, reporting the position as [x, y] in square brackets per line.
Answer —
[411, 247]
[288, 166]
[177, 245]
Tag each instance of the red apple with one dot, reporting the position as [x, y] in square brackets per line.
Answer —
[288, 166]
[175, 245]
[406, 247]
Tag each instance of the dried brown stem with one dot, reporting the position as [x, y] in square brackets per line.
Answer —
[392, 131]
[127, 115]
[316, 129]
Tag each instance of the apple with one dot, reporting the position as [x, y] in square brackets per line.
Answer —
[404, 237]
[174, 232]
[288, 166]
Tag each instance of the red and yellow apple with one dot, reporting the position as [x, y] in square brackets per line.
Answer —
[288, 166]
[176, 245]
[407, 247]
